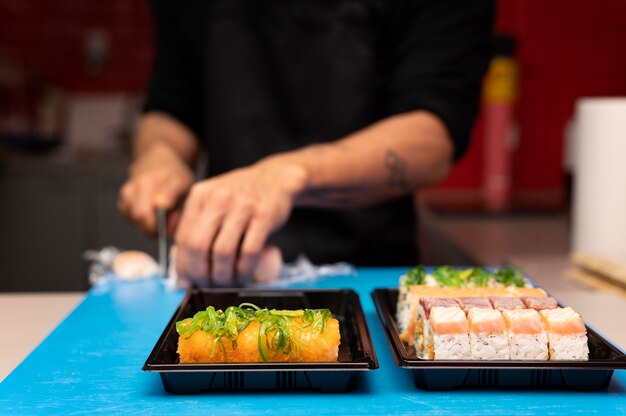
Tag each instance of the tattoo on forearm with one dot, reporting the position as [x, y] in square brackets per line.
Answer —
[396, 167]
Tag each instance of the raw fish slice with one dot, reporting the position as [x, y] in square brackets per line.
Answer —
[538, 303]
[501, 303]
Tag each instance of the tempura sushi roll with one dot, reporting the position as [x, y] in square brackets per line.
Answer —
[469, 302]
[567, 334]
[487, 334]
[448, 338]
[527, 338]
[422, 327]
[502, 303]
[250, 334]
[538, 303]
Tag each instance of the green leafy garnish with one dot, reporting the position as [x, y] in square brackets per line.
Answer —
[448, 276]
[275, 326]
[415, 276]
[479, 277]
[510, 277]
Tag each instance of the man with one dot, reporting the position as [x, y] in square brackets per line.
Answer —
[320, 118]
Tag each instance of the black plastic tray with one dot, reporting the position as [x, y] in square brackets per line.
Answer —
[356, 352]
[594, 374]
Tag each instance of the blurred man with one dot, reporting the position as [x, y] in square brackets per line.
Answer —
[320, 119]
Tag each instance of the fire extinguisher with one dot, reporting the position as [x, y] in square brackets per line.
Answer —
[500, 140]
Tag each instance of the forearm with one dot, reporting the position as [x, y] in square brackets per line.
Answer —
[390, 158]
[158, 132]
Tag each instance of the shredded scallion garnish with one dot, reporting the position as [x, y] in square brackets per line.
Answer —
[275, 326]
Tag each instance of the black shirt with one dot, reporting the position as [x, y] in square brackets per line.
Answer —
[256, 77]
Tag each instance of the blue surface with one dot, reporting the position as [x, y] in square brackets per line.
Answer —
[92, 364]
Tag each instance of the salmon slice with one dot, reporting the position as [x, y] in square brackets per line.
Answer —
[523, 321]
[428, 303]
[448, 320]
[485, 321]
[416, 292]
[563, 321]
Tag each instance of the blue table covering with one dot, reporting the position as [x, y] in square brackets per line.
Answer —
[92, 362]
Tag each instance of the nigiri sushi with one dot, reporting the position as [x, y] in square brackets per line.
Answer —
[422, 328]
[527, 338]
[448, 337]
[567, 334]
[487, 334]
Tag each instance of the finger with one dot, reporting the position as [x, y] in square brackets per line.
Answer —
[269, 266]
[192, 265]
[189, 216]
[226, 245]
[165, 198]
[173, 218]
[254, 240]
[143, 209]
[193, 262]
[125, 198]
[169, 192]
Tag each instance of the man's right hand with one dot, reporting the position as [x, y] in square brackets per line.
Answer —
[158, 178]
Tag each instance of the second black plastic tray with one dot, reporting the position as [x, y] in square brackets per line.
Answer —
[594, 374]
[356, 352]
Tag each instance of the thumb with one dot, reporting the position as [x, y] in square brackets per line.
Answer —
[166, 199]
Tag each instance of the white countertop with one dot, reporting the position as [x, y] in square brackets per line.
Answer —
[32, 316]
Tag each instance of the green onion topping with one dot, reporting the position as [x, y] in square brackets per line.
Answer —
[274, 332]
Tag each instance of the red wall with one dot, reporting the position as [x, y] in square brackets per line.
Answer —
[45, 38]
[567, 49]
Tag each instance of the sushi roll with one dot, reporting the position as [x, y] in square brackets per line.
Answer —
[539, 304]
[251, 334]
[487, 335]
[408, 317]
[448, 338]
[567, 334]
[502, 303]
[422, 328]
[527, 338]
[415, 276]
[469, 302]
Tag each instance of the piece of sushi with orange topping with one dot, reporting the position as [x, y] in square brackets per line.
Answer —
[248, 333]
[488, 336]
[567, 334]
[448, 337]
[527, 337]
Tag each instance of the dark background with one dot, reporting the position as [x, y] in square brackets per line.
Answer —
[64, 59]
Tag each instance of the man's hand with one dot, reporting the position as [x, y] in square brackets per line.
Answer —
[227, 219]
[159, 178]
